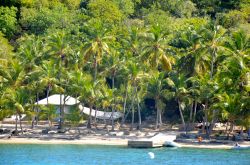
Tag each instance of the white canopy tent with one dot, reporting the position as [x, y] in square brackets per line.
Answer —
[100, 114]
[55, 100]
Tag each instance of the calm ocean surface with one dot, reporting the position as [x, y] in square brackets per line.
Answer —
[108, 155]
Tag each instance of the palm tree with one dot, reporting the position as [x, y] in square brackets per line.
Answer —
[207, 88]
[58, 48]
[157, 90]
[212, 44]
[45, 75]
[95, 47]
[239, 45]
[135, 77]
[141, 92]
[154, 52]
[91, 94]
[30, 51]
[14, 95]
[17, 100]
[113, 64]
[178, 89]
[192, 60]
[231, 107]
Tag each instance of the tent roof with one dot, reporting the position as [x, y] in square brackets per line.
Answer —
[55, 100]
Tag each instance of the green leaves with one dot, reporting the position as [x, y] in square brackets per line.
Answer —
[105, 10]
[19, 107]
[8, 21]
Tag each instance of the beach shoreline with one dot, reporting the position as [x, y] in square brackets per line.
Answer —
[97, 136]
[116, 142]
[109, 142]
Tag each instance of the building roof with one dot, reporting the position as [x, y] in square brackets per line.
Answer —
[55, 100]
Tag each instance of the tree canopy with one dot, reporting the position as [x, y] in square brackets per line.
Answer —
[147, 56]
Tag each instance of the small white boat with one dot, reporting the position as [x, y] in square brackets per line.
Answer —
[171, 144]
[238, 147]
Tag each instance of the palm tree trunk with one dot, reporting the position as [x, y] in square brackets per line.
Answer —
[95, 115]
[47, 98]
[230, 129]
[195, 110]
[214, 120]
[112, 114]
[160, 118]
[95, 68]
[62, 112]
[61, 106]
[37, 110]
[182, 117]
[206, 118]
[133, 111]
[189, 127]
[33, 116]
[157, 114]
[90, 117]
[105, 121]
[16, 124]
[60, 118]
[212, 64]
[191, 112]
[139, 111]
[126, 115]
[112, 118]
[124, 106]
[20, 123]
[133, 117]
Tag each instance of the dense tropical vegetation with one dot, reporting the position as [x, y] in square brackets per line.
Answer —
[177, 61]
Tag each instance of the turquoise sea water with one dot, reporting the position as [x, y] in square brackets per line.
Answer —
[109, 155]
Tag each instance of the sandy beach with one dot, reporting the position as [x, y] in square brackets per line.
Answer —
[109, 141]
[85, 141]
[101, 137]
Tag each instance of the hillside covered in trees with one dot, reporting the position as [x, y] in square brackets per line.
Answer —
[171, 61]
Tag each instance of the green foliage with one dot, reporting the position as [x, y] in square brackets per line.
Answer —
[179, 8]
[8, 21]
[160, 18]
[37, 21]
[72, 4]
[184, 23]
[6, 50]
[105, 10]
[74, 116]
[110, 52]
[211, 7]
[126, 6]
[232, 18]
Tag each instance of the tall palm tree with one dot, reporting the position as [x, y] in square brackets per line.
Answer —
[136, 75]
[16, 100]
[113, 64]
[58, 48]
[95, 47]
[213, 37]
[157, 90]
[14, 95]
[92, 90]
[30, 51]
[154, 51]
[231, 107]
[177, 87]
[192, 59]
[239, 45]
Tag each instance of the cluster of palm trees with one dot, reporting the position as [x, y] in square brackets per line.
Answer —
[205, 70]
